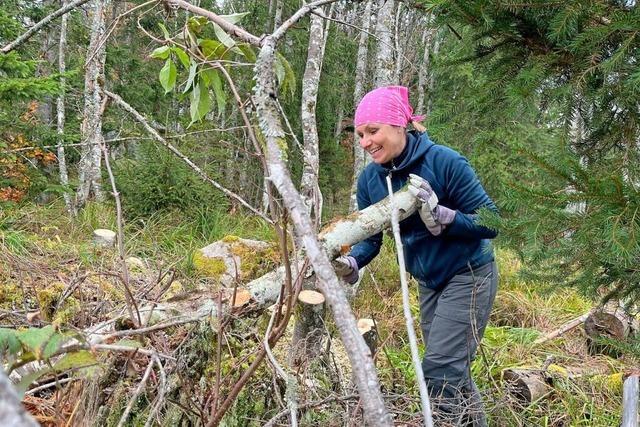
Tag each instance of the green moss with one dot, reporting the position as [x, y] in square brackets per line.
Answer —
[48, 300]
[208, 267]
[10, 295]
[230, 238]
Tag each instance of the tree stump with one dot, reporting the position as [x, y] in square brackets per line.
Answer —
[528, 385]
[608, 322]
[369, 332]
[309, 328]
[104, 238]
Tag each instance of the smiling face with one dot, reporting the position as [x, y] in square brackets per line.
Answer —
[382, 142]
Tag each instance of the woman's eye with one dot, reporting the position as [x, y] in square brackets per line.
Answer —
[372, 131]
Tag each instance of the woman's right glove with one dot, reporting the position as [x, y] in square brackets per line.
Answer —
[347, 268]
[435, 216]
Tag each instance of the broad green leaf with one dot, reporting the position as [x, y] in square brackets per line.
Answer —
[200, 102]
[216, 83]
[78, 359]
[195, 23]
[247, 52]
[182, 56]
[234, 18]
[223, 36]
[27, 380]
[212, 49]
[9, 341]
[129, 343]
[192, 75]
[161, 52]
[168, 76]
[288, 81]
[164, 31]
[35, 339]
[54, 344]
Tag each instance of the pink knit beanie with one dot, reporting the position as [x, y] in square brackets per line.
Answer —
[388, 105]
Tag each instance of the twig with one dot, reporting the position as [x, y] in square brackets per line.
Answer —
[563, 329]
[413, 343]
[49, 385]
[283, 413]
[31, 31]
[132, 307]
[184, 158]
[139, 389]
[162, 391]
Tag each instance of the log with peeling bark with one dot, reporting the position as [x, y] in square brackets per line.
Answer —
[528, 385]
[309, 327]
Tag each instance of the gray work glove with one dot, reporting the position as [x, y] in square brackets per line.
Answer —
[435, 216]
[347, 268]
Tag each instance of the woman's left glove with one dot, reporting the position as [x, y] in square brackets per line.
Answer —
[435, 216]
[347, 268]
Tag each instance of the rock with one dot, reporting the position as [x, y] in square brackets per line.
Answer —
[136, 264]
[104, 237]
[235, 258]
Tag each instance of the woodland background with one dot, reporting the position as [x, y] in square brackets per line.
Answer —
[542, 97]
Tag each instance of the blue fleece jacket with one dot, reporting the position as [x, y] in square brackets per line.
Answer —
[433, 260]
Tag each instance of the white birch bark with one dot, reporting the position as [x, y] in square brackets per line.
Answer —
[89, 168]
[364, 371]
[385, 64]
[424, 71]
[60, 106]
[277, 16]
[358, 92]
[399, 45]
[432, 78]
[309, 188]
[576, 136]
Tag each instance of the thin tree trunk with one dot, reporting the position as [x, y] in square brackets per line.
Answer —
[424, 72]
[60, 106]
[399, 46]
[364, 371]
[432, 78]
[384, 56]
[89, 173]
[359, 91]
[309, 188]
[277, 16]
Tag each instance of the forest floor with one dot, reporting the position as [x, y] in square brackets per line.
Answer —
[49, 265]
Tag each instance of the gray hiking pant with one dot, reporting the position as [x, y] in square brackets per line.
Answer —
[453, 322]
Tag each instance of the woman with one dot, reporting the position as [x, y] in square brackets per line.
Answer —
[448, 253]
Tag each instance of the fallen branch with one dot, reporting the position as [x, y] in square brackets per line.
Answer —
[563, 329]
[38, 26]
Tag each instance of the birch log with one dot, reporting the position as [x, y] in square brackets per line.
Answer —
[265, 95]
[91, 129]
[359, 91]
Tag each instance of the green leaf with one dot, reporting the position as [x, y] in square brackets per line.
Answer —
[164, 31]
[247, 52]
[287, 78]
[223, 36]
[54, 344]
[192, 75]
[168, 76]
[216, 83]
[195, 24]
[35, 339]
[234, 18]
[212, 49]
[200, 102]
[78, 359]
[182, 56]
[9, 341]
[161, 52]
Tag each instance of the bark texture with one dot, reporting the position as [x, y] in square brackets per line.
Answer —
[385, 65]
[424, 71]
[89, 172]
[359, 91]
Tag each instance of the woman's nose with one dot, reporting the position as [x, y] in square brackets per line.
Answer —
[364, 141]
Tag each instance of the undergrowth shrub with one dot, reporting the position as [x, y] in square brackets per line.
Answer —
[155, 180]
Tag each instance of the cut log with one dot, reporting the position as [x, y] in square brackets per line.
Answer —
[369, 332]
[630, 396]
[309, 329]
[608, 322]
[528, 385]
[103, 237]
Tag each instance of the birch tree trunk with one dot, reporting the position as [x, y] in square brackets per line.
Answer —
[359, 355]
[384, 55]
[576, 136]
[432, 78]
[277, 16]
[399, 45]
[424, 71]
[358, 92]
[89, 172]
[309, 188]
[60, 106]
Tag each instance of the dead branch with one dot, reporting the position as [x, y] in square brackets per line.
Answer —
[38, 26]
[563, 329]
[132, 401]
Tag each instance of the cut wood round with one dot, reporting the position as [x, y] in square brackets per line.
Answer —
[243, 296]
[311, 297]
[610, 321]
[528, 385]
[367, 328]
[104, 237]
